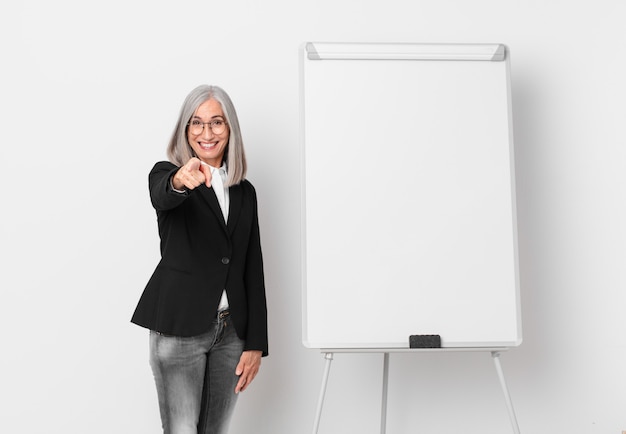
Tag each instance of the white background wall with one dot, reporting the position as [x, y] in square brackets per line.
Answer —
[89, 93]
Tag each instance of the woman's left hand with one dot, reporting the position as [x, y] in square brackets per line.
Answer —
[248, 367]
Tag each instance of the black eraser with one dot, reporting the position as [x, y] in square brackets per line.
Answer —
[424, 341]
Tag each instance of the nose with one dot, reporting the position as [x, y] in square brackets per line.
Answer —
[207, 132]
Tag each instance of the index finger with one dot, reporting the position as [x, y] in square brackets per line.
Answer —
[206, 170]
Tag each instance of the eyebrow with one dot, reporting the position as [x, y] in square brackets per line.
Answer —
[214, 117]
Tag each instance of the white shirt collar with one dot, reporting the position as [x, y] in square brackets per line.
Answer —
[222, 169]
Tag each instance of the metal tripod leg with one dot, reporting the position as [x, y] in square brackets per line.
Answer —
[507, 397]
[383, 414]
[320, 401]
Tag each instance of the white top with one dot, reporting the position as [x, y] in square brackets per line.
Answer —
[218, 179]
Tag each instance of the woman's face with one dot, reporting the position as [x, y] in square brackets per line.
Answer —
[208, 146]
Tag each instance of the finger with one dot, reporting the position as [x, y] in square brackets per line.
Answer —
[245, 380]
[197, 177]
[241, 385]
[247, 369]
[241, 372]
[206, 170]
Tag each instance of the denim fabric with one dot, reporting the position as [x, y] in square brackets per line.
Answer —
[195, 379]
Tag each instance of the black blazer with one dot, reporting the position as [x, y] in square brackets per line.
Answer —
[201, 256]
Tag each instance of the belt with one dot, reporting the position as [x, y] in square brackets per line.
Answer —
[223, 314]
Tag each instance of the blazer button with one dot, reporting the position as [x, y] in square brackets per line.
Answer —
[225, 260]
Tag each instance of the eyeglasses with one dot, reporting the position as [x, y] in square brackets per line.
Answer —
[196, 126]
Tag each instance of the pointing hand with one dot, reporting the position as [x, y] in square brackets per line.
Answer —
[192, 174]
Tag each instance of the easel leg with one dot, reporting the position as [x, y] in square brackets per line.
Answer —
[320, 401]
[383, 414]
[507, 397]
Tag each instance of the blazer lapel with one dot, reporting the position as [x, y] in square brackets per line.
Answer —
[235, 198]
[209, 195]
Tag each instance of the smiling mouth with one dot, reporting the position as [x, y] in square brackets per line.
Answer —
[208, 146]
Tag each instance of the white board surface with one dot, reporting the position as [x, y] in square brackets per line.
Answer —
[409, 222]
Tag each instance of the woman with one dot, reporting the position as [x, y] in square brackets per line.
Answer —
[205, 302]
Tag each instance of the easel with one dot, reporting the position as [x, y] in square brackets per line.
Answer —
[328, 355]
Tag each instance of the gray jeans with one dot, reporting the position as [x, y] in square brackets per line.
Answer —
[195, 379]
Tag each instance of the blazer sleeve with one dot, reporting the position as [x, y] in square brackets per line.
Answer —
[162, 196]
[257, 336]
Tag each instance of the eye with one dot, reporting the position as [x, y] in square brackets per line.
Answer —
[217, 123]
[196, 123]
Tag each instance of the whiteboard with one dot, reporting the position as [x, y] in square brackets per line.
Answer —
[408, 196]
